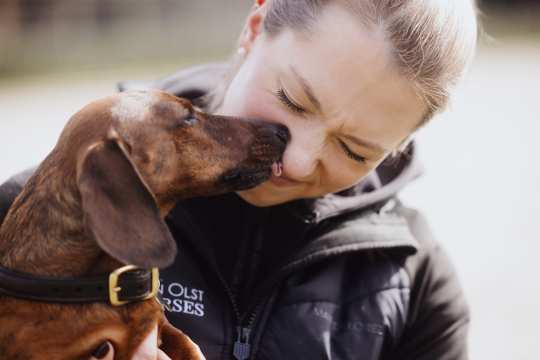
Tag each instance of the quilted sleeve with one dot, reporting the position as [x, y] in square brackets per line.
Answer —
[438, 315]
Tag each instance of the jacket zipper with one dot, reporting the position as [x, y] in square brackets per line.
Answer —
[246, 344]
[244, 323]
[242, 347]
[242, 344]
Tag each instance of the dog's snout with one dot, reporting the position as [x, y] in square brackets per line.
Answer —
[282, 133]
[274, 131]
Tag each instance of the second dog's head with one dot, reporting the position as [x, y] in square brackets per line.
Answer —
[138, 153]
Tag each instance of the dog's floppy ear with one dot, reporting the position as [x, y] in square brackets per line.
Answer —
[120, 210]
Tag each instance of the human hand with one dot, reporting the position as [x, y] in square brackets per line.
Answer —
[148, 350]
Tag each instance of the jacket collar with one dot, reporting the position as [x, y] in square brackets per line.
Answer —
[372, 229]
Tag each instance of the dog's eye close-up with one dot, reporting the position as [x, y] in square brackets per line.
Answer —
[190, 120]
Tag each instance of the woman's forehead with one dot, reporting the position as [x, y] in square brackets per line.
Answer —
[351, 73]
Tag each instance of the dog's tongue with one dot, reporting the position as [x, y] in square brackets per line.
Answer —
[277, 168]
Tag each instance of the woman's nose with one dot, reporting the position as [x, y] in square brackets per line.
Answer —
[302, 156]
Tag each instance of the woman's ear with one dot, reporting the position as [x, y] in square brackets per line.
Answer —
[254, 24]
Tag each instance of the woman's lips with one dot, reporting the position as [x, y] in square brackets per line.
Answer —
[278, 178]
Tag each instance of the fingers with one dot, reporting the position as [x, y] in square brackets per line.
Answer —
[177, 344]
[162, 356]
[148, 350]
[104, 352]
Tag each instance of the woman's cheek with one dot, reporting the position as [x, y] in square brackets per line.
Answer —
[341, 173]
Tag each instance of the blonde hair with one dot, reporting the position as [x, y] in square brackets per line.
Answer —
[433, 40]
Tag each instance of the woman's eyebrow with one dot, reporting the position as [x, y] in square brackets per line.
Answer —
[366, 143]
[307, 89]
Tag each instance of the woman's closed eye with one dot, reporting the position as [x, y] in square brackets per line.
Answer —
[286, 100]
[352, 155]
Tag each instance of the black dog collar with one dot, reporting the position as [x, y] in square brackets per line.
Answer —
[124, 285]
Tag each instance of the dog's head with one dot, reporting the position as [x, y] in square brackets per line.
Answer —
[156, 150]
[182, 152]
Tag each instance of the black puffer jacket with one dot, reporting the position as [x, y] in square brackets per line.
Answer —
[354, 275]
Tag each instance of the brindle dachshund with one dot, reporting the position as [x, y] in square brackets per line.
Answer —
[97, 202]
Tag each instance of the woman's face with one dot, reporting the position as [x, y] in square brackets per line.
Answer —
[338, 91]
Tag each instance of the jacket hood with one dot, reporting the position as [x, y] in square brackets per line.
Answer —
[377, 187]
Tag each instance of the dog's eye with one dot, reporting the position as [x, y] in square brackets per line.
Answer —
[190, 120]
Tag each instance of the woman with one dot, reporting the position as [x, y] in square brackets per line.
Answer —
[324, 262]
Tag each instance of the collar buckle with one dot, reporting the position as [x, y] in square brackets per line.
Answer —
[115, 289]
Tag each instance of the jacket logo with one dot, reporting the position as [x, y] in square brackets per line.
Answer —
[179, 298]
[356, 326]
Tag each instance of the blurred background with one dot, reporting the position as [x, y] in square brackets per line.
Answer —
[480, 190]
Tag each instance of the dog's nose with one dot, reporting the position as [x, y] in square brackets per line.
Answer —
[282, 132]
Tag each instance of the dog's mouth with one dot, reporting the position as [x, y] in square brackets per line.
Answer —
[244, 178]
[264, 160]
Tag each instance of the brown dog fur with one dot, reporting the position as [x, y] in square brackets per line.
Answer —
[97, 202]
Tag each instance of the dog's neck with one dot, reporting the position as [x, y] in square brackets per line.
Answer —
[44, 231]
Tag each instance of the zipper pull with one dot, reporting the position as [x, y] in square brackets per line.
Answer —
[242, 347]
